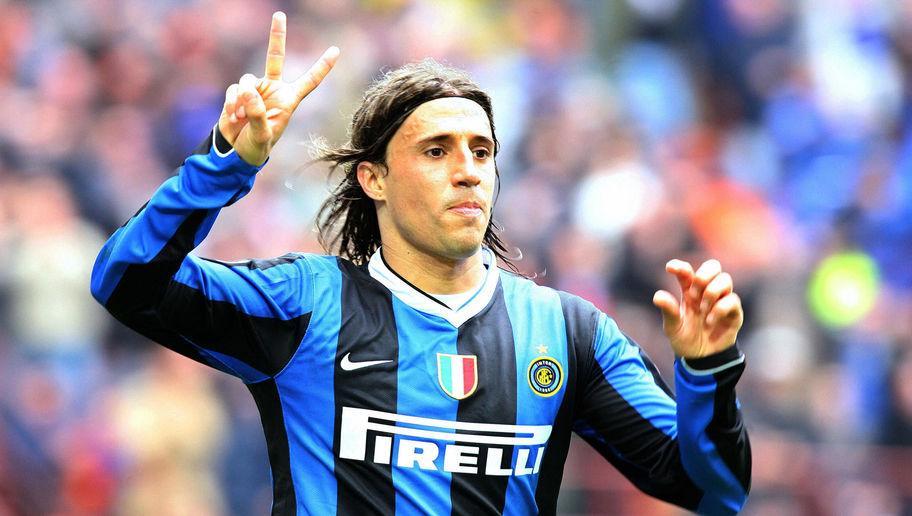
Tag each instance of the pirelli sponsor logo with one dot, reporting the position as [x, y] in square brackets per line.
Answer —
[441, 445]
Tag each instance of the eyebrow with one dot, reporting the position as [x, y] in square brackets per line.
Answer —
[448, 136]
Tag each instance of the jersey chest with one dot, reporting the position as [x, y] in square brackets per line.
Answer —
[410, 390]
[502, 356]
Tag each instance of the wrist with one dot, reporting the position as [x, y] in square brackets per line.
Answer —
[715, 362]
[222, 145]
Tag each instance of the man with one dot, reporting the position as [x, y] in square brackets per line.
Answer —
[415, 377]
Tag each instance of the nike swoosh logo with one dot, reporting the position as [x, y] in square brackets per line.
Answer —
[347, 365]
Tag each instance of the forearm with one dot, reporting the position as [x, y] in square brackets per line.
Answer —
[713, 441]
[145, 252]
[629, 416]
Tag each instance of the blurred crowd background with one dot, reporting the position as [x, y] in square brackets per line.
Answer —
[774, 135]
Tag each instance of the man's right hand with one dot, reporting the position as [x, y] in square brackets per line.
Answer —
[257, 110]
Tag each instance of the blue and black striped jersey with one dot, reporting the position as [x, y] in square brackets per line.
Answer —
[375, 398]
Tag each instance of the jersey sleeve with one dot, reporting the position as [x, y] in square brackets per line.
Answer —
[693, 451]
[245, 318]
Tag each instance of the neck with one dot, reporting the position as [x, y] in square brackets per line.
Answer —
[433, 274]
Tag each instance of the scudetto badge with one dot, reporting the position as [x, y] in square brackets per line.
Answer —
[457, 374]
[545, 376]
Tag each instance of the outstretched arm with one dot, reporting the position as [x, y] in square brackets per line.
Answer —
[692, 451]
[244, 318]
[702, 326]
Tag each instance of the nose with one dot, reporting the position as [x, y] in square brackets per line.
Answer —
[466, 171]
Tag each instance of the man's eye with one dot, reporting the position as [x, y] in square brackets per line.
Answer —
[436, 152]
[482, 153]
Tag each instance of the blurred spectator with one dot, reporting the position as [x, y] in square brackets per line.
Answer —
[51, 315]
[897, 430]
[169, 424]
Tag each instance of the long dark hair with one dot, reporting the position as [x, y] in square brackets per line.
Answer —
[347, 220]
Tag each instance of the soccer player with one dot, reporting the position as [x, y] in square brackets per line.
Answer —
[411, 375]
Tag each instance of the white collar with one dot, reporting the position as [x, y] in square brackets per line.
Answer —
[421, 302]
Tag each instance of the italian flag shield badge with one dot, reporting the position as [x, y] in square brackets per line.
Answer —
[457, 374]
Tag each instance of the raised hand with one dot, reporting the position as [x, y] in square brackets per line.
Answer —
[257, 110]
[708, 316]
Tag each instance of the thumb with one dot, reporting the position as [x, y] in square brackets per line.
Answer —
[671, 310]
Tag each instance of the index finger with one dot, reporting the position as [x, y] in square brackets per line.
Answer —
[310, 80]
[683, 272]
[707, 271]
[275, 53]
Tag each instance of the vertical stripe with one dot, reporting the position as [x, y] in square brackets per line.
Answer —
[305, 389]
[421, 338]
[580, 318]
[538, 330]
[489, 337]
[456, 375]
[468, 374]
[446, 372]
[367, 333]
[266, 396]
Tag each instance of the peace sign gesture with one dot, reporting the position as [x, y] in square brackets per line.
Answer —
[257, 110]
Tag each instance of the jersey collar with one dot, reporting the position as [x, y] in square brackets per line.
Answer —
[421, 302]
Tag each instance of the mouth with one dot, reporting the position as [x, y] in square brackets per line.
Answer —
[468, 209]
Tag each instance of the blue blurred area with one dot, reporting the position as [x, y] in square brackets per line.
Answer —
[765, 133]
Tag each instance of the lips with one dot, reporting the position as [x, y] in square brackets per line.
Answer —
[468, 209]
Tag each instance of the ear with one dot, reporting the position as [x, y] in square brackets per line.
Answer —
[372, 177]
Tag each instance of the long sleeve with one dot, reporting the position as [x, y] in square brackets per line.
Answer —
[244, 318]
[694, 452]
[713, 440]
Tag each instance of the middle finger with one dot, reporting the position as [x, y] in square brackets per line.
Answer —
[275, 53]
[718, 288]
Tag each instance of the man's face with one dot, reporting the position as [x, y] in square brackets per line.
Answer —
[438, 190]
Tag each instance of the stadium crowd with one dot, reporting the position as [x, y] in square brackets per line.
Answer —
[773, 135]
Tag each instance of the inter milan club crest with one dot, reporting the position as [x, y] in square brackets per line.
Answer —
[457, 374]
[545, 376]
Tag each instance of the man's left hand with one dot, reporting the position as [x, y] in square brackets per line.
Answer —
[708, 316]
